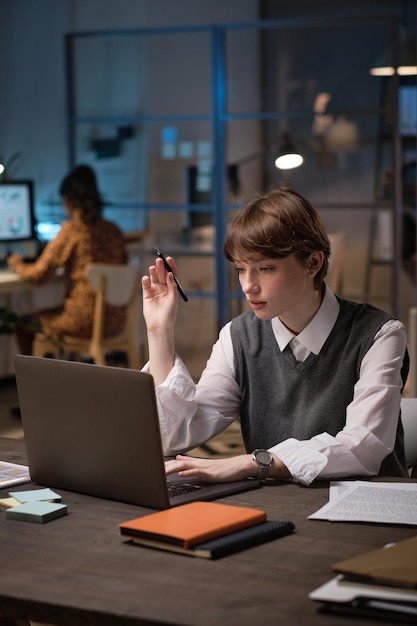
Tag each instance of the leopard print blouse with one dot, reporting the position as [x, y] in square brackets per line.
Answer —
[76, 245]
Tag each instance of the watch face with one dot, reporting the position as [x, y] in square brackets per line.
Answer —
[263, 457]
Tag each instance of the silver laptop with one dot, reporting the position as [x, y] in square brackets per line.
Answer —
[94, 429]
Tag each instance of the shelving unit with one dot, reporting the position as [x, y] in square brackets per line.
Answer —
[394, 188]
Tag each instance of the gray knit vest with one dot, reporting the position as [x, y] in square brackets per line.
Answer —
[283, 398]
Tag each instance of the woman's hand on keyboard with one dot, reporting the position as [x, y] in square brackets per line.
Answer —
[213, 470]
[222, 470]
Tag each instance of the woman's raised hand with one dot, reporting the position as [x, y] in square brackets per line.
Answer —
[160, 295]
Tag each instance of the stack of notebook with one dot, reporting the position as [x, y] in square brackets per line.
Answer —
[204, 529]
[379, 584]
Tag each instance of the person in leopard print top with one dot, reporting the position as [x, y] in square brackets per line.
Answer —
[85, 238]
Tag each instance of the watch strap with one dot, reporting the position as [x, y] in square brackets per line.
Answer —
[263, 471]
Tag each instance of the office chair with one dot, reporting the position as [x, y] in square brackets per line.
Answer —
[114, 284]
[409, 420]
[334, 278]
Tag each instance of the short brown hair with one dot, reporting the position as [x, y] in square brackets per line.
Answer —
[278, 224]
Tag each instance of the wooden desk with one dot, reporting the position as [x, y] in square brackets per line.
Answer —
[77, 570]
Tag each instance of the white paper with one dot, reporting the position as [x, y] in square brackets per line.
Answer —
[362, 501]
[339, 487]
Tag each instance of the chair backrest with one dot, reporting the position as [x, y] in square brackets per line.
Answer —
[117, 285]
[119, 281]
[412, 351]
[334, 276]
[409, 420]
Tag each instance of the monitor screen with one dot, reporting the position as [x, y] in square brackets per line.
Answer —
[17, 222]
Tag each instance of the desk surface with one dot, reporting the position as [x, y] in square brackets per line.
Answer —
[77, 570]
[9, 280]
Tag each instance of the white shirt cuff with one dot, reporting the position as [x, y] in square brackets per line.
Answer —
[178, 380]
[303, 463]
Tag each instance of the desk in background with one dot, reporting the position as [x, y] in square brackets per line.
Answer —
[76, 570]
[22, 297]
[10, 282]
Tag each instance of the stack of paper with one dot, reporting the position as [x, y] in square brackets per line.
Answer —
[366, 501]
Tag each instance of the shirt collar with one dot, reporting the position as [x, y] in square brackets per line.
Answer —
[316, 332]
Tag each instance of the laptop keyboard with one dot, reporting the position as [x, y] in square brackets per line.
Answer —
[180, 487]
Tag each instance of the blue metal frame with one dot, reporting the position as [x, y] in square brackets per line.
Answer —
[219, 109]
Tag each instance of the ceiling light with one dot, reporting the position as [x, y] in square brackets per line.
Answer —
[288, 157]
[407, 58]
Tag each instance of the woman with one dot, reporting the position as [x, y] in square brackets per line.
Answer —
[85, 238]
[316, 380]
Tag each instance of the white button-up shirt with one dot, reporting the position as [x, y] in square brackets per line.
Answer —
[191, 414]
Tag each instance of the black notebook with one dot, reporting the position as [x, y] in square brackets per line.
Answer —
[227, 544]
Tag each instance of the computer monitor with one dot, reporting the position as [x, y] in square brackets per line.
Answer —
[17, 218]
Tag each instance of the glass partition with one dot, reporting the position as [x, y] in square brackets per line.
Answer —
[183, 126]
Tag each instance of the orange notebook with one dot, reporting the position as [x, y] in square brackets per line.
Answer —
[193, 523]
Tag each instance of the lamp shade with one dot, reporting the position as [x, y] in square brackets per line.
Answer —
[288, 157]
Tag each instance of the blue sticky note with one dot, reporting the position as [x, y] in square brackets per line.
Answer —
[35, 495]
[39, 512]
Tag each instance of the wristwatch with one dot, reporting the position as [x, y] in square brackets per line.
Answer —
[264, 460]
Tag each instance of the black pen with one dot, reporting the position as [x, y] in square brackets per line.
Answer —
[168, 269]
